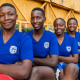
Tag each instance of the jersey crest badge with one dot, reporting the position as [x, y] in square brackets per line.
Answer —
[13, 49]
[68, 48]
[46, 44]
[78, 43]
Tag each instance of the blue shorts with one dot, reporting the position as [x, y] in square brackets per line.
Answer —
[62, 65]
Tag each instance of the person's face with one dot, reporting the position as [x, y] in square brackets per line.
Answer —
[59, 27]
[37, 19]
[72, 25]
[8, 17]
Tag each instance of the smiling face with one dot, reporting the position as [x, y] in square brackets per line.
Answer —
[37, 19]
[72, 25]
[59, 27]
[8, 17]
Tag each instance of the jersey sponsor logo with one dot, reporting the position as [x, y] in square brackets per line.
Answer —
[13, 49]
[46, 44]
[78, 43]
[68, 48]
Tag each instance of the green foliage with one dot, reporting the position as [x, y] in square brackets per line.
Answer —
[23, 28]
[0, 27]
[44, 27]
[51, 28]
[16, 26]
[66, 29]
[29, 29]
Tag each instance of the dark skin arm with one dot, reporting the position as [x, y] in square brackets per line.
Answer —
[44, 61]
[51, 61]
[61, 61]
[79, 51]
[17, 71]
[73, 59]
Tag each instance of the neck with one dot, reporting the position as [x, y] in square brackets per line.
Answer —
[60, 36]
[72, 33]
[8, 32]
[38, 32]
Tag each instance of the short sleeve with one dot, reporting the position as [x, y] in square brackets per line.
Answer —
[74, 48]
[26, 48]
[54, 45]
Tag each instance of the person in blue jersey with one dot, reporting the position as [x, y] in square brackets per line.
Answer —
[72, 24]
[44, 43]
[68, 52]
[14, 46]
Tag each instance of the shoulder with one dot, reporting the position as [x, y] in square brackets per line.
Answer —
[70, 38]
[29, 32]
[22, 36]
[77, 33]
[49, 34]
[1, 32]
[66, 33]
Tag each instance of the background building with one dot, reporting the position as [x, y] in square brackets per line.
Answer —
[53, 9]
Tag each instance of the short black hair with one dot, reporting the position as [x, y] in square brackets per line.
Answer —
[73, 19]
[39, 9]
[60, 19]
[7, 4]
